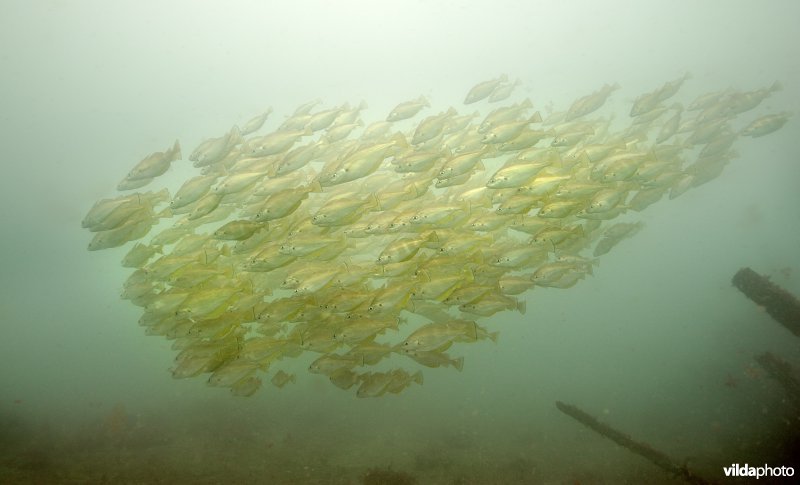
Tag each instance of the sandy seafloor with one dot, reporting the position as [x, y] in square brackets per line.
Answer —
[657, 343]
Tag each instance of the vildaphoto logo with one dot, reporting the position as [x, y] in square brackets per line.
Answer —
[737, 470]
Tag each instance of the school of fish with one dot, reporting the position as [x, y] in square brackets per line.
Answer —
[376, 249]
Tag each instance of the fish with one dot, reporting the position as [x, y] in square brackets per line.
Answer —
[213, 150]
[341, 131]
[275, 142]
[435, 359]
[284, 202]
[509, 130]
[192, 190]
[408, 109]
[516, 174]
[324, 119]
[561, 274]
[364, 249]
[364, 161]
[330, 364]
[463, 163]
[344, 210]
[238, 230]
[232, 372]
[504, 114]
[140, 254]
[255, 123]
[503, 91]
[590, 103]
[237, 182]
[281, 378]
[405, 248]
[670, 88]
[614, 234]
[484, 89]
[419, 161]
[765, 125]
[246, 387]
[439, 336]
[670, 127]
[375, 384]
[131, 230]
[491, 303]
[431, 127]
[155, 164]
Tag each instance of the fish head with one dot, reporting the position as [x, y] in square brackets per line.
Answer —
[409, 345]
[496, 180]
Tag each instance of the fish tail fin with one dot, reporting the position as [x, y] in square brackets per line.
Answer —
[374, 204]
[235, 136]
[315, 186]
[161, 196]
[493, 336]
[423, 271]
[176, 151]
[535, 118]
[522, 306]
[400, 140]
[469, 276]
[417, 377]
[484, 201]
[776, 86]
[459, 363]
[527, 103]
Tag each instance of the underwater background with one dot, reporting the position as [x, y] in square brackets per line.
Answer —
[657, 343]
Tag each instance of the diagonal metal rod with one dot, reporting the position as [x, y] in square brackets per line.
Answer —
[646, 451]
[781, 305]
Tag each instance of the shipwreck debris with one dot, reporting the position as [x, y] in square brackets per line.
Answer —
[781, 305]
[642, 449]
